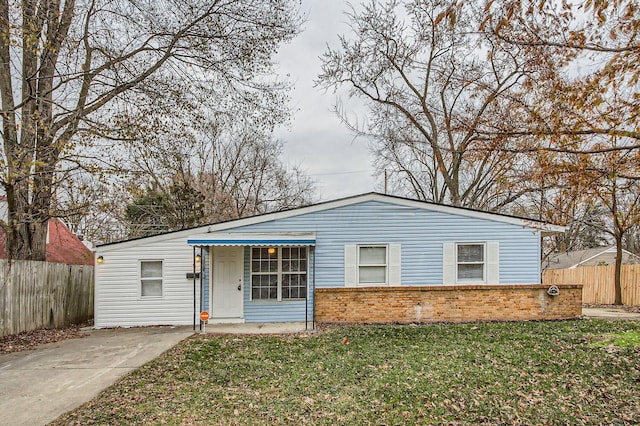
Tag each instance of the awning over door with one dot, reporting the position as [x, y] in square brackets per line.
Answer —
[253, 239]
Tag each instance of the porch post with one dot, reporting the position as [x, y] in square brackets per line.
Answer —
[306, 299]
[313, 292]
[194, 288]
[201, 286]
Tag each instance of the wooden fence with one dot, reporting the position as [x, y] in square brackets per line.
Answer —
[39, 294]
[598, 282]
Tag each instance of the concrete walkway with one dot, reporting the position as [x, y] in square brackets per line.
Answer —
[610, 313]
[257, 328]
[38, 386]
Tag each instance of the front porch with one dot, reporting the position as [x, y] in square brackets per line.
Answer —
[255, 278]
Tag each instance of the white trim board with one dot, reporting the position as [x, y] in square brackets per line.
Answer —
[252, 239]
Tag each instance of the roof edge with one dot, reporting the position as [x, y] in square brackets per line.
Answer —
[346, 201]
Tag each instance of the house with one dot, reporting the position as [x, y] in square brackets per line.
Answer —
[62, 246]
[366, 258]
[599, 256]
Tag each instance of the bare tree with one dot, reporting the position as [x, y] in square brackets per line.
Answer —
[580, 113]
[67, 67]
[234, 167]
[431, 83]
[614, 180]
[243, 175]
[632, 240]
[180, 206]
[586, 79]
[85, 205]
[599, 196]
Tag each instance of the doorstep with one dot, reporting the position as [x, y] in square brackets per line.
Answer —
[258, 328]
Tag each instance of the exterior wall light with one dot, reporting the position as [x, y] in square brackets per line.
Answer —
[100, 259]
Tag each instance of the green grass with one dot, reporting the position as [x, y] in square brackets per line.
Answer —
[623, 340]
[569, 372]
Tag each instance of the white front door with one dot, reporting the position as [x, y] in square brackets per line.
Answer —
[227, 284]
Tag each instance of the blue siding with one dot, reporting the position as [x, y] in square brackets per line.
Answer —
[421, 234]
[285, 311]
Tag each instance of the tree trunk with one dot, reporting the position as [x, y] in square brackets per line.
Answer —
[618, 269]
[27, 241]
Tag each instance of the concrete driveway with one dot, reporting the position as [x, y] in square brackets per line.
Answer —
[610, 313]
[38, 386]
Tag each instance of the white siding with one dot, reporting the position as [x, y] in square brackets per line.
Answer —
[4, 208]
[117, 296]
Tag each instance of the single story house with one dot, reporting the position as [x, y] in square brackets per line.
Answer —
[369, 258]
[598, 256]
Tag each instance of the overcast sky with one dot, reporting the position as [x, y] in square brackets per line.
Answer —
[316, 139]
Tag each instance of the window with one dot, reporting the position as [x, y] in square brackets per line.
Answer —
[372, 265]
[151, 278]
[278, 273]
[294, 272]
[470, 261]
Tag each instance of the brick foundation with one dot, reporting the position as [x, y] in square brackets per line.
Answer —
[446, 304]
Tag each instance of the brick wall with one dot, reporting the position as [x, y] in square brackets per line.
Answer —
[446, 303]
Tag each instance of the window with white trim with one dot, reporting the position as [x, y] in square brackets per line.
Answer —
[372, 265]
[470, 262]
[279, 273]
[294, 272]
[151, 278]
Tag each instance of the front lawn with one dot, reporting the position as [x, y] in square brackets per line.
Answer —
[569, 372]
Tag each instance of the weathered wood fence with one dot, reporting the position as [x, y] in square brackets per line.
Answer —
[598, 282]
[40, 294]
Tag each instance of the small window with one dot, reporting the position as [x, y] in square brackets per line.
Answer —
[470, 261]
[151, 278]
[372, 265]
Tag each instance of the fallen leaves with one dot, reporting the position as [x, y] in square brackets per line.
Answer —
[523, 373]
[32, 339]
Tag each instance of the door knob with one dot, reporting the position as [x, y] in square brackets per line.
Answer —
[239, 287]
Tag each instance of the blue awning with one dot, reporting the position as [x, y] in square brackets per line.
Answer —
[253, 239]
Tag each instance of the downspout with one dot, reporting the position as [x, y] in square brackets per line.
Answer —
[306, 305]
[194, 288]
[540, 245]
[201, 286]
